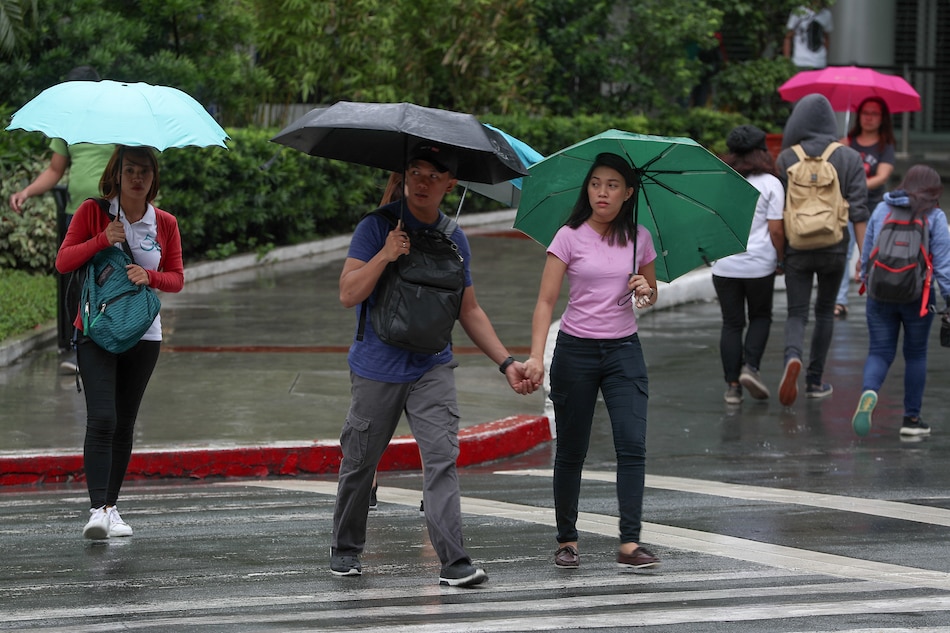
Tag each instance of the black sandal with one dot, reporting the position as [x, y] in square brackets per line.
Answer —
[841, 311]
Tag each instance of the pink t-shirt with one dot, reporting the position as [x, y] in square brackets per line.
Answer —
[597, 274]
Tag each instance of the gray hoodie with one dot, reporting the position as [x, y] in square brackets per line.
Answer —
[812, 123]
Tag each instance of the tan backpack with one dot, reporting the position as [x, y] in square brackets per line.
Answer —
[816, 214]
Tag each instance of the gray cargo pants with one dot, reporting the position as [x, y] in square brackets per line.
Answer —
[431, 408]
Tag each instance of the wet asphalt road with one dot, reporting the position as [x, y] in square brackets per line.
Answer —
[767, 519]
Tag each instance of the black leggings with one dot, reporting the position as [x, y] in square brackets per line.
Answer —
[114, 386]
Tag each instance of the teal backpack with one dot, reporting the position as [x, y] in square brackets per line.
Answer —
[116, 313]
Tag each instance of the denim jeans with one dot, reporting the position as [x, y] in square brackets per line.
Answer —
[114, 385]
[800, 270]
[736, 296]
[885, 321]
[580, 368]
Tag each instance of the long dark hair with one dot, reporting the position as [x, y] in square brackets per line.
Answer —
[624, 226]
[755, 161]
[886, 131]
[922, 185]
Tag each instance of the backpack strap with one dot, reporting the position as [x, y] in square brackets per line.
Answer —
[799, 151]
[106, 206]
[825, 155]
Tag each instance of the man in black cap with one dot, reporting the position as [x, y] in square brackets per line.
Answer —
[388, 380]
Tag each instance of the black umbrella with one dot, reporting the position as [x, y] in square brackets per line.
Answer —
[382, 135]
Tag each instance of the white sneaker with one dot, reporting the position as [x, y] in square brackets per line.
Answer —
[98, 525]
[118, 527]
[68, 367]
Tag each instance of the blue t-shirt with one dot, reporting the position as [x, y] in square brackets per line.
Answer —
[371, 358]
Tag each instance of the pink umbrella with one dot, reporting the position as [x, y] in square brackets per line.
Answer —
[847, 86]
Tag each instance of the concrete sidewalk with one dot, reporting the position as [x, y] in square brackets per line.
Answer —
[253, 378]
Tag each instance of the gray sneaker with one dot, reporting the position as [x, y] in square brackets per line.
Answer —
[462, 574]
[345, 566]
[818, 391]
[733, 394]
[749, 378]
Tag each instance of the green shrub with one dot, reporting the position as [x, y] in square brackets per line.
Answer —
[26, 301]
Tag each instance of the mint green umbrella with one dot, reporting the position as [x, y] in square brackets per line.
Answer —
[697, 208]
[106, 112]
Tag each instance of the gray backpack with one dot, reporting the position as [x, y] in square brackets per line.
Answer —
[900, 267]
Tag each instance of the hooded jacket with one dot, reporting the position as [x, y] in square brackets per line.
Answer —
[812, 123]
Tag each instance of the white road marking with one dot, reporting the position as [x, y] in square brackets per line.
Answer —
[669, 536]
[500, 608]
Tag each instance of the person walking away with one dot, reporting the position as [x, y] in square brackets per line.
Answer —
[808, 35]
[608, 260]
[115, 383]
[872, 135]
[812, 125]
[85, 163]
[919, 193]
[387, 380]
[745, 282]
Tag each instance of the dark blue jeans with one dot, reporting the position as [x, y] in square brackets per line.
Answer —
[114, 385]
[885, 321]
[580, 368]
[801, 267]
[736, 297]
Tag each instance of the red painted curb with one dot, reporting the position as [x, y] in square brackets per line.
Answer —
[477, 444]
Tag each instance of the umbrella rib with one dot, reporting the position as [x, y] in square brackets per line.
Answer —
[682, 196]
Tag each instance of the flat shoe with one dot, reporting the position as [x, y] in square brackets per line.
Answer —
[640, 558]
[567, 557]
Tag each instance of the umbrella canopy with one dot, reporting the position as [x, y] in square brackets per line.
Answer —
[104, 112]
[509, 191]
[382, 135]
[847, 86]
[695, 206]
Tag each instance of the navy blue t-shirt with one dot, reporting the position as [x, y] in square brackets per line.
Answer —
[371, 358]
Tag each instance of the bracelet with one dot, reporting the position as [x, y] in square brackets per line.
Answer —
[505, 363]
[780, 265]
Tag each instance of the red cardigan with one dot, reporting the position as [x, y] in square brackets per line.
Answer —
[86, 236]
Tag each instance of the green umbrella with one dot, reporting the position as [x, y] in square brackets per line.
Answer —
[696, 207]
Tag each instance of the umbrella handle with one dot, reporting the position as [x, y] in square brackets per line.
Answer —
[458, 211]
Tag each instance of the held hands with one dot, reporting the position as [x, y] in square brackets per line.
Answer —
[397, 243]
[534, 371]
[644, 295]
[519, 383]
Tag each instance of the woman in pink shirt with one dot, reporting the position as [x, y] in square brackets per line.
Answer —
[598, 349]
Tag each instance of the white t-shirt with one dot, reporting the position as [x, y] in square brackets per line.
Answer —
[142, 238]
[798, 21]
[759, 258]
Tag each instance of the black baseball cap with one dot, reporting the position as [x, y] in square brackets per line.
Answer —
[441, 156]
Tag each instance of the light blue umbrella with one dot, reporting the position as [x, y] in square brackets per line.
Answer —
[509, 191]
[104, 112]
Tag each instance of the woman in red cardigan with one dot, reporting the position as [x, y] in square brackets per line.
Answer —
[115, 383]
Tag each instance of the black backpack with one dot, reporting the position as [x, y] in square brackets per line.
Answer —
[900, 267]
[815, 36]
[419, 296]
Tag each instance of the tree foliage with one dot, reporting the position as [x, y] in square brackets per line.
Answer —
[469, 55]
[202, 47]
